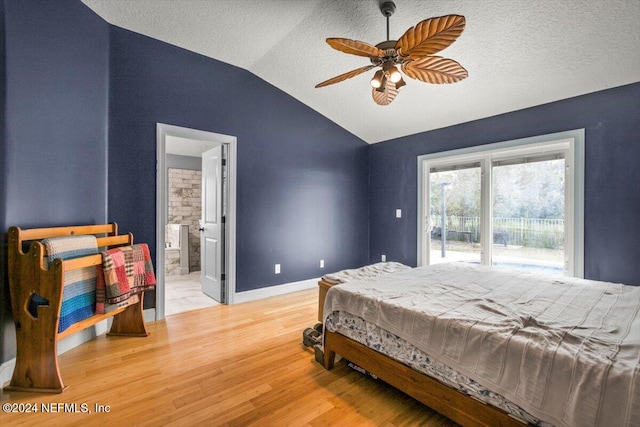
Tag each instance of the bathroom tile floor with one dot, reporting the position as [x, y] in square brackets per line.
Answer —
[183, 293]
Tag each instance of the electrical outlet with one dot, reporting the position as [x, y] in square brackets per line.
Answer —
[321, 263]
[383, 258]
[277, 268]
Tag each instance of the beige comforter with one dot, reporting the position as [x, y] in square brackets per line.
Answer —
[566, 350]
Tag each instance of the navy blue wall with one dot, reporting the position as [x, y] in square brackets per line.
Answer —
[611, 120]
[6, 322]
[56, 110]
[302, 187]
[3, 92]
[55, 136]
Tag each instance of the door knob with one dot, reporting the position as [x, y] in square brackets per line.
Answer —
[201, 228]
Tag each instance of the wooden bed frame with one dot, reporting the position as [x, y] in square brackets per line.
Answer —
[323, 288]
[448, 401]
[37, 337]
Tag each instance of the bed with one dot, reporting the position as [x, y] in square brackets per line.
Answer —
[493, 347]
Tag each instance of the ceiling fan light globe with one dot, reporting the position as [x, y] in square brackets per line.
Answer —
[383, 83]
[394, 75]
[376, 81]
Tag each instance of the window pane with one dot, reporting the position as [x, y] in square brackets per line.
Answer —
[528, 215]
[455, 214]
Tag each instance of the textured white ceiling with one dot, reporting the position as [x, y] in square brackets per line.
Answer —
[519, 53]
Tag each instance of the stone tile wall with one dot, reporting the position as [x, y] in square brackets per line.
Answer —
[185, 207]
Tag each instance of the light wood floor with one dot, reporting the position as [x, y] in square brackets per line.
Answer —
[235, 365]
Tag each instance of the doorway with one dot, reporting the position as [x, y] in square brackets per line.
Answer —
[177, 146]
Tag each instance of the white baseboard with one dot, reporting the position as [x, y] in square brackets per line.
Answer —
[73, 341]
[149, 315]
[271, 291]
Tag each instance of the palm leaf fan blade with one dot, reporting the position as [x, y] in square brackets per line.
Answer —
[386, 96]
[430, 36]
[345, 76]
[355, 47]
[434, 69]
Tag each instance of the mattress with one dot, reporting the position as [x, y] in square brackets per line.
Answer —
[564, 350]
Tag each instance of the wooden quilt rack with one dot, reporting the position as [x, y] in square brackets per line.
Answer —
[37, 337]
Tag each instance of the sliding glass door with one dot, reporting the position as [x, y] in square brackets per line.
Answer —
[528, 213]
[454, 194]
[514, 205]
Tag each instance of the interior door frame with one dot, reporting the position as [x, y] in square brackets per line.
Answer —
[162, 131]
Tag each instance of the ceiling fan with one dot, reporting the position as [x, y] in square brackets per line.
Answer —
[413, 52]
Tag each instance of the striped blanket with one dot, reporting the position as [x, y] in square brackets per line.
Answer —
[127, 271]
[78, 295]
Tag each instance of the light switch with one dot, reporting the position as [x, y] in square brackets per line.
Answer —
[398, 213]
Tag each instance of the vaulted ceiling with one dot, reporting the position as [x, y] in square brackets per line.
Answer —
[519, 53]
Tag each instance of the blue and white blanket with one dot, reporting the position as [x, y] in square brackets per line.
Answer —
[79, 293]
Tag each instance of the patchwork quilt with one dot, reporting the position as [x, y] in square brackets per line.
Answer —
[128, 270]
[102, 306]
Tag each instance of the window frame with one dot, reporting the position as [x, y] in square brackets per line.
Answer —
[571, 143]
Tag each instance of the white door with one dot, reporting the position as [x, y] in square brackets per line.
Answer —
[211, 225]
